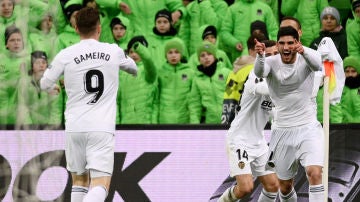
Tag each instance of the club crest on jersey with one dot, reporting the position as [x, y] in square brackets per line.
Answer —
[241, 165]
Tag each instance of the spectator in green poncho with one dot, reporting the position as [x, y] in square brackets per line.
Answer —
[23, 14]
[13, 62]
[69, 36]
[163, 31]
[175, 79]
[353, 30]
[44, 108]
[141, 12]
[121, 31]
[235, 29]
[350, 99]
[207, 90]
[210, 33]
[137, 96]
[199, 13]
[44, 36]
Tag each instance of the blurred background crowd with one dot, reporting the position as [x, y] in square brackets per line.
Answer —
[193, 55]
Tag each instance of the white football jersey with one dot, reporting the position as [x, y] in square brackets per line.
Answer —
[91, 71]
[291, 87]
[255, 110]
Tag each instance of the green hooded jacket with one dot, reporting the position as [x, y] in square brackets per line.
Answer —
[350, 102]
[137, 96]
[236, 25]
[129, 33]
[44, 109]
[353, 37]
[143, 12]
[174, 88]
[206, 96]
[67, 38]
[220, 54]
[11, 65]
[198, 14]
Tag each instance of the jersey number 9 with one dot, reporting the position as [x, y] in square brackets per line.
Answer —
[94, 83]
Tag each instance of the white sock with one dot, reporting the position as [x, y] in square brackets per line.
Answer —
[78, 193]
[228, 195]
[96, 194]
[291, 197]
[267, 196]
[316, 193]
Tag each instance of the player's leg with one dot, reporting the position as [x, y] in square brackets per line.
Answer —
[76, 162]
[80, 186]
[283, 148]
[267, 178]
[99, 186]
[316, 187]
[287, 192]
[312, 158]
[240, 158]
[100, 162]
[270, 189]
[244, 185]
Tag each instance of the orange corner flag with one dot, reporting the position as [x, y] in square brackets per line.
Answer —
[330, 72]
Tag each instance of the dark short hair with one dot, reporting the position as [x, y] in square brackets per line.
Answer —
[288, 31]
[11, 30]
[35, 55]
[293, 19]
[86, 20]
[116, 21]
[269, 43]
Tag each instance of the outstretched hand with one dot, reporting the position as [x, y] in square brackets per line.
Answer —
[259, 47]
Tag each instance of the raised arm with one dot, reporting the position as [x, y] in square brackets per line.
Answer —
[260, 69]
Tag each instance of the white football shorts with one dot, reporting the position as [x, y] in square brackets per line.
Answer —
[90, 150]
[291, 146]
[245, 160]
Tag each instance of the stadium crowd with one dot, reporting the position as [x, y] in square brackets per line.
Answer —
[186, 52]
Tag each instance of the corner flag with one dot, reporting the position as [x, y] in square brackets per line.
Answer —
[333, 67]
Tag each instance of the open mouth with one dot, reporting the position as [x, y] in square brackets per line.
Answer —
[287, 53]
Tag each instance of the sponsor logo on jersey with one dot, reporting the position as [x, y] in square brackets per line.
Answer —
[266, 105]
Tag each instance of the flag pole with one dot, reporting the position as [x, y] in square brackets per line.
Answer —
[326, 123]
